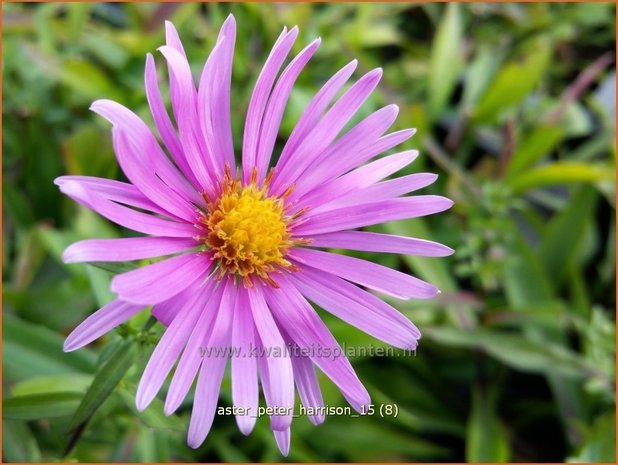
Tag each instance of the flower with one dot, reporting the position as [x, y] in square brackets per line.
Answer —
[244, 241]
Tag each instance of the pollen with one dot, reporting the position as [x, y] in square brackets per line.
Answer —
[247, 230]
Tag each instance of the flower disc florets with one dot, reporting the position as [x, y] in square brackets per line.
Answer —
[247, 230]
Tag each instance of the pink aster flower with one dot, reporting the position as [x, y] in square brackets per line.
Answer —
[243, 242]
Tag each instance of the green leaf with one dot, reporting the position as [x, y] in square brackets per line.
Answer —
[532, 148]
[153, 416]
[514, 81]
[600, 442]
[18, 442]
[478, 75]
[514, 351]
[486, 438]
[30, 348]
[38, 406]
[104, 383]
[445, 60]
[561, 173]
[560, 242]
[74, 382]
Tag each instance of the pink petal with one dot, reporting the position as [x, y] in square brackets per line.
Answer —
[142, 139]
[214, 97]
[334, 295]
[167, 351]
[300, 321]
[185, 109]
[276, 106]
[167, 310]
[120, 250]
[280, 383]
[124, 216]
[376, 242]
[307, 383]
[372, 275]
[382, 191]
[368, 214]
[322, 173]
[283, 439]
[160, 281]
[191, 358]
[326, 130]
[244, 365]
[361, 177]
[110, 189]
[162, 120]
[100, 322]
[314, 110]
[259, 98]
[211, 372]
[140, 172]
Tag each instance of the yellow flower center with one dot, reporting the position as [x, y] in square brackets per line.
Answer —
[248, 231]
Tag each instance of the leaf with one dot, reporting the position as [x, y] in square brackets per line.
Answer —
[104, 383]
[514, 81]
[100, 283]
[514, 351]
[38, 406]
[532, 148]
[564, 234]
[153, 416]
[599, 445]
[18, 442]
[561, 173]
[486, 438]
[57, 383]
[478, 75]
[445, 59]
[30, 348]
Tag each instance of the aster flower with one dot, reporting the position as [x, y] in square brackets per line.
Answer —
[242, 244]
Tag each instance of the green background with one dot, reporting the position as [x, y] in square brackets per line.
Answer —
[517, 360]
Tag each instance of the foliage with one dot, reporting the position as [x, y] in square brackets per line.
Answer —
[517, 361]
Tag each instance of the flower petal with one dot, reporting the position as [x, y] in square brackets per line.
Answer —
[160, 281]
[245, 393]
[361, 177]
[372, 275]
[192, 356]
[139, 170]
[300, 321]
[390, 189]
[147, 148]
[167, 310]
[116, 191]
[162, 119]
[100, 322]
[306, 383]
[214, 97]
[326, 131]
[377, 242]
[280, 383]
[314, 110]
[124, 216]
[120, 250]
[185, 108]
[259, 98]
[283, 439]
[276, 106]
[354, 148]
[334, 295]
[167, 351]
[211, 371]
[370, 213]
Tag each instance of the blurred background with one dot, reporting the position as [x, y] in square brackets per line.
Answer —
[515, 109]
